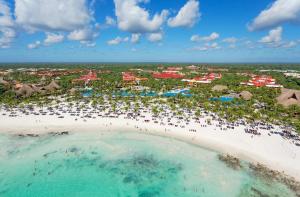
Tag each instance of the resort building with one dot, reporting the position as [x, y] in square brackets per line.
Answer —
[214, 76]
[210, 69]
[206, 79]
[136, 69]
[174, 68]
[192, 67]
[91, 76]
[130, 77]
[53, 72]
[262, 81]
[104, 71]
[293, 75]
[197, 80]
[168, 75]
[127, 76]
[139, 88]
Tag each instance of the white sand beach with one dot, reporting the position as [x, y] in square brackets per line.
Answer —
[273, 151]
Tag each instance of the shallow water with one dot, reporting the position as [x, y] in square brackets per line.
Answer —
[121, 164]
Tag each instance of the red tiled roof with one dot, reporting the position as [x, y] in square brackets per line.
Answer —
[168, 75]
[91, 76]
[128, 76]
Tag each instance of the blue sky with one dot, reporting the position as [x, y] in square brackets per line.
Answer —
[149, 31]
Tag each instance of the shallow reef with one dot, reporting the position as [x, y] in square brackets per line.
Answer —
[135, 165]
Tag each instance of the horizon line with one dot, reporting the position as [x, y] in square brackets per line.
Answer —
[144, 62]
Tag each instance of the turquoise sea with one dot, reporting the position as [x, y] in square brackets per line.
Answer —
[123, 164]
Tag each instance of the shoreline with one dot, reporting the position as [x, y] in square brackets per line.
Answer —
[272, 151]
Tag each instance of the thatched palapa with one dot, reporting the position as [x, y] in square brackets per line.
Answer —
[219, 88]
[73, 91]
[25, 91]
[3, 82]
[289, 97]
[52, 86]
[246, 95]
[37, 89]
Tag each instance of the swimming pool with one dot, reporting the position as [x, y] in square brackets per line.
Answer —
[222, 99]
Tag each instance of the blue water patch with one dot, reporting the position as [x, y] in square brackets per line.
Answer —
[181, 92]
[126, 94]
[89, 93]
[172, 93]
[222, 99]
[123, 94]
[124, 164]
[150, 94]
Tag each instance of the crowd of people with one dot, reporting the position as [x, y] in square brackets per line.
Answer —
[84, 111]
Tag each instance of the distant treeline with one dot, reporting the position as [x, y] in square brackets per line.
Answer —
[230, 66]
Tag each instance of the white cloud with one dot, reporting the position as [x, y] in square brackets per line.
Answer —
[231, 40]
[195, 38]
[110, 21]
[52, 15]
[7, 37]
[214, 46]
[5, 15]
[290, 44]
[274, 39]
[73, 17]
[7, 32]
[53, 38]
[155, 37]
[283, 44]
[135, 38]
[187, 16]
[200, 49]
[85, 34]
[88, 43]
[213, 36]
[135, 19]
[207, 47]
[279, 12]
[126, 39]
[117, 40]
[274, 36]
[34, 45]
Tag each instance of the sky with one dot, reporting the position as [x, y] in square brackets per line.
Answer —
[150, 31]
